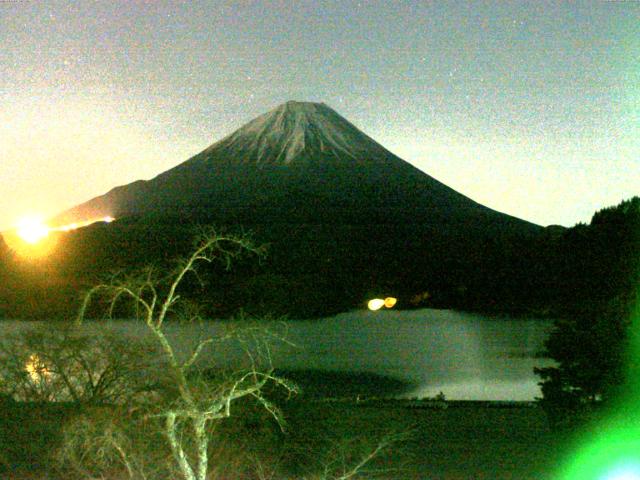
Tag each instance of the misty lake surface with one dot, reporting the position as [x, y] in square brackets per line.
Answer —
[465, 356]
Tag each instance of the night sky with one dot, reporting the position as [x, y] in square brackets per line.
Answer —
[531, 109]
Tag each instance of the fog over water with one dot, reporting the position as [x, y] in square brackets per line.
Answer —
[466, 356]
[463, 355]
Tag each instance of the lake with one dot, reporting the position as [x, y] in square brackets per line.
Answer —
[465, 356]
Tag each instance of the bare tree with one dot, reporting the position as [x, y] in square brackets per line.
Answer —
[186, 418]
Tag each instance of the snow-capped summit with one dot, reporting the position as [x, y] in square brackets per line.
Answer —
[293, 129]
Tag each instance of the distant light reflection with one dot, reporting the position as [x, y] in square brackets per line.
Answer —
[377, 303]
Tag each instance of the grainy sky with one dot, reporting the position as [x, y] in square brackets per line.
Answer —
[530, 108]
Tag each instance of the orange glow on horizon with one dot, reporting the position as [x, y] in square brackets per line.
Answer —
[32, 229]
[32, 236]
[85, 223]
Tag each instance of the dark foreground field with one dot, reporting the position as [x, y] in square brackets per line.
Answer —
[460, 442]
[472, 441]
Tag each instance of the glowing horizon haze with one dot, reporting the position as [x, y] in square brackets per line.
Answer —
[530, 109]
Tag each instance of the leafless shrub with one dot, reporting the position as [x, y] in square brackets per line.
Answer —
[63, 363]
[353, 457]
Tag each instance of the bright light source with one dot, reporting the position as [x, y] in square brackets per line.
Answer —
[389, 302]
[609, 454]
[32, 229]
[375, 304]
[624, 472]
[36, 369]
[34, 239]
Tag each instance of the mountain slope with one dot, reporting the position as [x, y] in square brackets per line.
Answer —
[344, 219]
[299, 163]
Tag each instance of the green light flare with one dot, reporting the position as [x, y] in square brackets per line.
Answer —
[625, 472]
[610, 450]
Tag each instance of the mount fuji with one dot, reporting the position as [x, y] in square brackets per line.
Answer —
[299, 163]
[344, 219]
